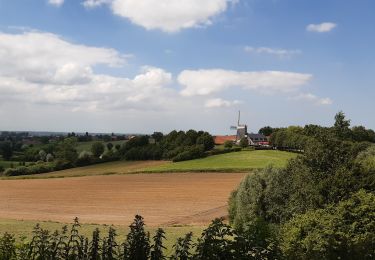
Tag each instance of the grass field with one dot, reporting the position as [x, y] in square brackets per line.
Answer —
[231, 162]
[236, 161]
[22, 228]
[118, 167]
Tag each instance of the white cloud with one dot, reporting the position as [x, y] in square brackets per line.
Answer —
[218, 102]
[313, 98]
[205, 82]
[321, 28]
[95, 3]
[281, 53]
[56, 2]
[45, 57]
[39, 67]
[169, 15]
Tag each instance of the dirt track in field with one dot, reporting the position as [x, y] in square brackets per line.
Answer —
[162, 199]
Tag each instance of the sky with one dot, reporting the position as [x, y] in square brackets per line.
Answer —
[139, 66]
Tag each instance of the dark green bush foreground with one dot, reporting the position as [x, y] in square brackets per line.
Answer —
[218, 242]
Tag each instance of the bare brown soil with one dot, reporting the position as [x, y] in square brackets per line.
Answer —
[162, 199]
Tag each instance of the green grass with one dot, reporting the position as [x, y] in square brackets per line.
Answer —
[117, 167]
[21, 228]
[236, 161]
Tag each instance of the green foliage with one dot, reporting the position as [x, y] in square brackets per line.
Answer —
[193, 152]
[266, 131]
[157, 248]
[137, 245]
[183, 247]
[66, 151]
[206, 140]
[228, 144]
[244, 142]
[342, 231]
[341, 126]
[7, 247]
[366, 159]
[109, 146]
[216, 242]
[6, 150]
[97, 149]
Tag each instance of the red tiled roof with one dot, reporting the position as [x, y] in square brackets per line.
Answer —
[220, 139]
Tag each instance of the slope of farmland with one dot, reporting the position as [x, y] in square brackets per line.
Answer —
[183, 198]
[235, 161]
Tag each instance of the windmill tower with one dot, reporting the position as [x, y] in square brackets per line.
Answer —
[241, 129]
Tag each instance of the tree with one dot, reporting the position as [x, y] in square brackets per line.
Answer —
[342, 231]
[6, 149]
[97, 149]
[244, 142]
[109, 146]
[341, 126]
[66, 151]
[267, 130]
[206, 140]
[158, 136]
[228, 144]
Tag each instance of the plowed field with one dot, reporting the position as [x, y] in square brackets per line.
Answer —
[162, 199]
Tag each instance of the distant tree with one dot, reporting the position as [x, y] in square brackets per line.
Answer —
[341, 126]
[244, 142]
[66, 150]
[158, 136]
[42, 155]
[118, 147]
[206, 140]
[109, 146]
[267, 131]
[49, 157]
[6, 150]
[97, 149]
[228, 144]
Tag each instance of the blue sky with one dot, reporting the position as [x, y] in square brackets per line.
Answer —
[145, 65]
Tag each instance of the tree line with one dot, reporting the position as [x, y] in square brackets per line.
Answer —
[175, 146]
[296, 137]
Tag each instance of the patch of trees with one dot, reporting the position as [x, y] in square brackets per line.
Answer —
[321, 205]
[295, 137]
[218, 241]
[176, 146]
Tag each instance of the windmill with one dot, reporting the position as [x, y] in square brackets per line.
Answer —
[241, 129]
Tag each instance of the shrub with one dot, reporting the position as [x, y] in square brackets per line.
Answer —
[193, 152]
[228, 144]
[342, 231]
[97, 149]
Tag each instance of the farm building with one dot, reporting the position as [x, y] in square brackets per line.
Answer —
[254, 139]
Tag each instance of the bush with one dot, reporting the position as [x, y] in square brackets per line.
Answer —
[342, 231]
[191, 153]
[97, 149]
[33, 169]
